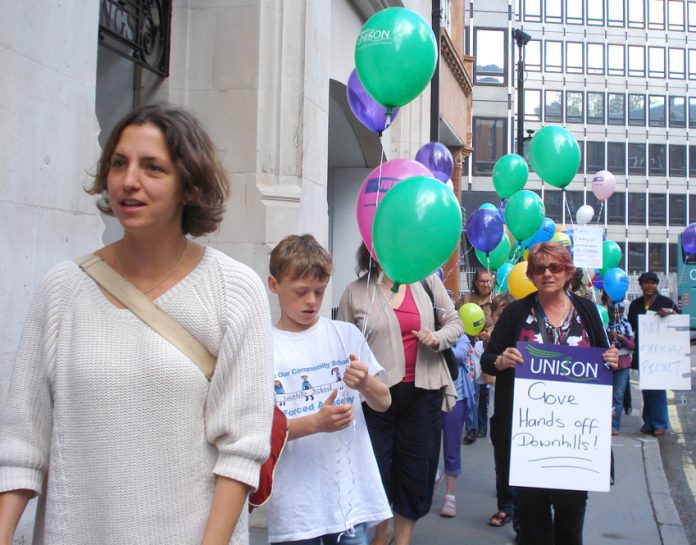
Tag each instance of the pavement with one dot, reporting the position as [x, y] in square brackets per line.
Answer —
[638, 510]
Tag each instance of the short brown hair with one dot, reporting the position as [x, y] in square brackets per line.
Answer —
[365, 263]
[204, 181]
[297, 256]
[555, 250]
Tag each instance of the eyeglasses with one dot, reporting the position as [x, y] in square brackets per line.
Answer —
[555, 268]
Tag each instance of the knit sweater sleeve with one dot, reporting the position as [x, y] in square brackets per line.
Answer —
[240, 401]
[26, 418]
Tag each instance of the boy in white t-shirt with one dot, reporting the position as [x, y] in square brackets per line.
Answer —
[327, 488]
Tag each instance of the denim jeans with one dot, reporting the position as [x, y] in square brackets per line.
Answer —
[655, 416]
[620, 384]
[358, 537]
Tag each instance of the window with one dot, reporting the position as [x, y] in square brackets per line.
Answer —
[636, 13]
[553, 106]
[615, 60]
[616, 109]
[636, 208]
[656, 111]
[675, 15]
[636, 110]
[472, 200]
[595, 156]
[692, 208]
[574, 107]
[677, 112]
[616, 157]
[692, 63]
[657, 209]
[636, 158]
[595, 12]
[677, 209]
[573, 12]
[595, 59]
[532, 105]
[656, 14]
[676, 63]
[595, 108]
[677, 160]
[636, 257]
[553, 205]
[532, 56]
[615, 13]
[692, 112]
[692, 167]
[553, 56]
[489, 50]
[691, 13]
[672, 257]
[574, 200]
[581, 166]
[657, 163]
[575, 62]
[656, 256]
[489, 143]
[656, 62]
[532, 11]
[616, 209]
[636, 61]
[553, 12]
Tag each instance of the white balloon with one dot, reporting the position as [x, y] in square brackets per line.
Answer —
[450, 184]
[584, 214]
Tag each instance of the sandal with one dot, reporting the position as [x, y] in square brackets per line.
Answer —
[500, 519]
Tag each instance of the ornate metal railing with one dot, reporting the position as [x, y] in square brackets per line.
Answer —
[138, 30]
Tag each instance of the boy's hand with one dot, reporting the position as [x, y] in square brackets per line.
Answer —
[356, 374]
[332, 417]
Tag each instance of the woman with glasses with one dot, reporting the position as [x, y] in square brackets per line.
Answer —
[551, 315]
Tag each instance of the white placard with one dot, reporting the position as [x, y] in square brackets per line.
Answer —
[561, 420]
[587, 246]
[664, 352]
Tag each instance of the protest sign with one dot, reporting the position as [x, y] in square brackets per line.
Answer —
[664, 352]
[561, 420]
[587, 246]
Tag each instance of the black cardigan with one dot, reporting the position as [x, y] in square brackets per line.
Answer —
[636, 308]
[506, 333]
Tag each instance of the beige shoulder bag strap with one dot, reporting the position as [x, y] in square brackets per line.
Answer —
[148, 312]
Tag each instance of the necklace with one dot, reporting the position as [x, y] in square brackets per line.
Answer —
[563, 315]
[165, 277]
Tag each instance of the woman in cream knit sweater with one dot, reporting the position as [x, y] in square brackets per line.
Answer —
[121, 435]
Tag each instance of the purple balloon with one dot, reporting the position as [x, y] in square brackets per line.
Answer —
[369, 113]
[689, 239]
[597, 281]
[438, 159]
[484, 229]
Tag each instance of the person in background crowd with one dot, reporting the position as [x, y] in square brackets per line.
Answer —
[655, 416]
[551, 315]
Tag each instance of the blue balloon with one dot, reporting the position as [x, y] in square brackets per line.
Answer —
[484, 229]
[438, 159]
[688, 239]
[543, 234]
[615, 284]
[502, 274]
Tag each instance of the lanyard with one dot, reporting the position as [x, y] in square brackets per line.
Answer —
[559, 333]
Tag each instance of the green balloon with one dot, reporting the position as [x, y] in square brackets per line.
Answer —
[416, 229]
[524, 213]
[603, 314]
[509, 175]
[395, 56]
[611, 255]
[496, 257]
[555, 155]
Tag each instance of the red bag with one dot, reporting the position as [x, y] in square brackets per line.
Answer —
[279, 436]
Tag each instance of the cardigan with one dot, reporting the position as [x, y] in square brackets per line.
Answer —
[636, 308]
[369, 309]
[117, 430]
[506, 333]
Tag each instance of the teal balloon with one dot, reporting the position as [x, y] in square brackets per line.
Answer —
[494, 208]
[524, 213]
[501, 276]
[555, 155]
[395, 56]
[611, 255]
[416, 228]
[496, 257]
[603, 314]
[509, 175]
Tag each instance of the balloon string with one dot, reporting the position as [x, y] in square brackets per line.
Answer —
[601, 209]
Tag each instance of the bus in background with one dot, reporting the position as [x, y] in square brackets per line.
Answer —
[686, 283]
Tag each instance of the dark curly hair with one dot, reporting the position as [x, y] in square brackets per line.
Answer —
[204, 181]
